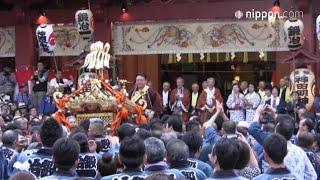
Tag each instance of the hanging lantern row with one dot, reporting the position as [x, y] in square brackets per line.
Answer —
[84, 23]
[46, 38]
[293, 28]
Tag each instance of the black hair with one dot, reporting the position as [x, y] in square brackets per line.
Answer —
[229, 127]
[10, 126]
[143, 134]
[106, 165]
[78, 129]
[268, 87]
[285, 126]
[175, 122]
[244, 154]
[156, 128]
[65, 153]
[253, 84]
[33, 123]
[219, 121]
[227, 153]
[193, 125]
[132, 151]
[269, 127]
[177, 153]
[85, 125]
[9, 137]
[307, 115]
[193, 140]
[155, 125]
[50, 132]
[144, 126]
[155, 150]
[142, 75]
[164, 118]
[305, 139]
[35, 129]
[275, 146]
[58, 70]
[126, 130]
[82, 140]
[309, 123]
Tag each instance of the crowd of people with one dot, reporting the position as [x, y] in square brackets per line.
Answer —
[260, 132]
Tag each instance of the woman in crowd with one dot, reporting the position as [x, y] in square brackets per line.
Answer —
[274, 99]
[235, 104]
[252, 101]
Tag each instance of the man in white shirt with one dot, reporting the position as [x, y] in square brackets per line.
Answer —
[166, 97]
[62, 84]
[296, 159]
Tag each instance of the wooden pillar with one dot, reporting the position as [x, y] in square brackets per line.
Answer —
[128, 68]
[25, 44]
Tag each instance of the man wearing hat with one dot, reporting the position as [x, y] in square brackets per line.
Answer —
[23, 97]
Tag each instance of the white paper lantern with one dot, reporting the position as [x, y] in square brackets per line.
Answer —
[84, 23]
[318, 27]
[46, 38]
[293, 29]
[303, 82]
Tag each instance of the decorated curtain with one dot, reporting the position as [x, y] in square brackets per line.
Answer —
[7, 42]
[131, 38]
[69, 42]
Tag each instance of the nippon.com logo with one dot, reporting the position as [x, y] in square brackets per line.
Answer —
[265, 15]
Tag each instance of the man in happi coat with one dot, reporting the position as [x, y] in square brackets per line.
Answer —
[180, 100]
[207, 100]
[144, 96]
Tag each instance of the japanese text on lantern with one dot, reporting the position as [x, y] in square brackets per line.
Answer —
[294, 35]
[43, 40]
[83, 21]
[302, 86]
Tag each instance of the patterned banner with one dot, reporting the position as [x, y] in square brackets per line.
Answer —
[197, 37]
[7, 42]
[69, 42]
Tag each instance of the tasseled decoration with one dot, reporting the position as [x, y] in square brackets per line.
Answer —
[218, 59]
[245, 57]
[233, 55]
[227, 57]
[190, 58]
[202, 56]
[170, 59]
[208, 57]
[265, 56]
[178, 56]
